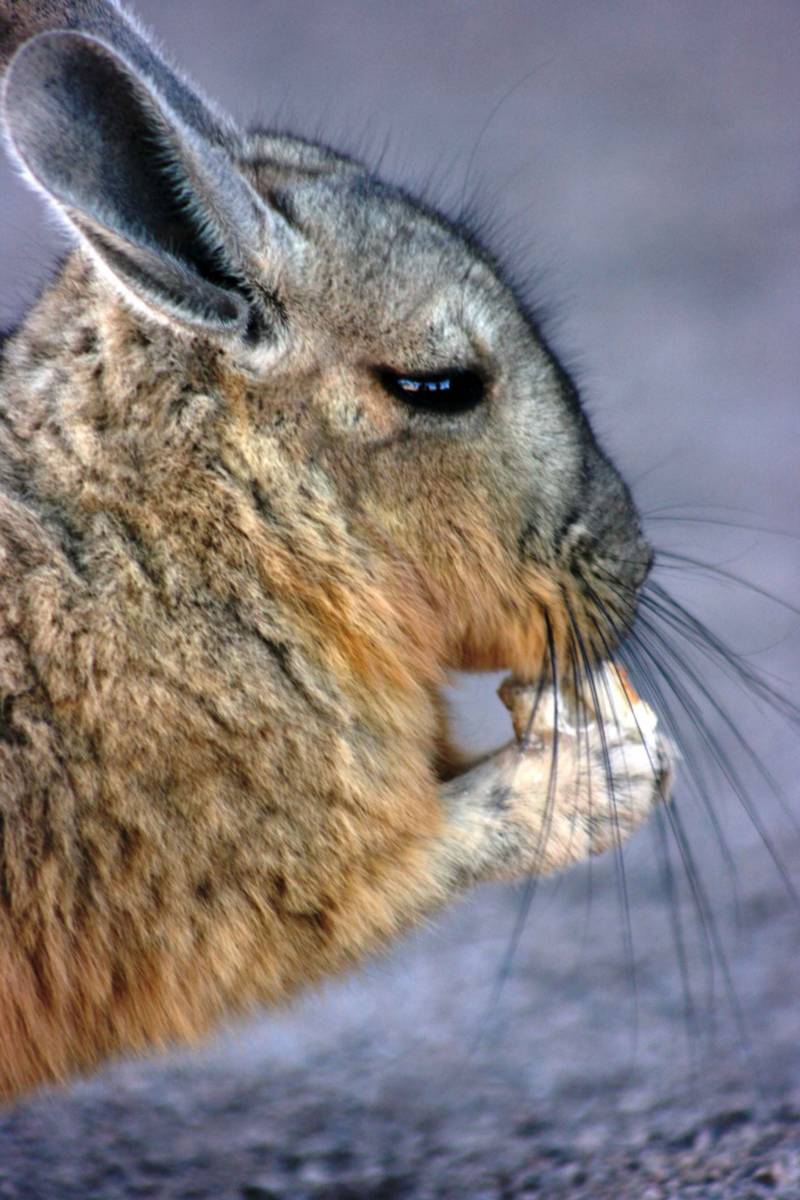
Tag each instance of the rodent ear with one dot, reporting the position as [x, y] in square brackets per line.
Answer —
[155, 196]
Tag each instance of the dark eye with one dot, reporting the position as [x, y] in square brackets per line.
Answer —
[455, 391]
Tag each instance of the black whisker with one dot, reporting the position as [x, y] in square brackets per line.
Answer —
[531, 881]
[676, 514]
[712, 938]
[676, 733]
[711, 929]
[717, 751]
[665, 867]
[756, 685]
[699, 564]
[623, 893]
[582, 736]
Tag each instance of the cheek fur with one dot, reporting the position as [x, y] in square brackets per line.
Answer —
[496, 613]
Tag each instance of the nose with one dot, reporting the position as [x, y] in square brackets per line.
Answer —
[606, 538]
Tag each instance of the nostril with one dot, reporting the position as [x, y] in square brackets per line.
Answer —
[629, 561]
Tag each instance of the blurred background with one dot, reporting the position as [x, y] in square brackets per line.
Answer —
[640, 163]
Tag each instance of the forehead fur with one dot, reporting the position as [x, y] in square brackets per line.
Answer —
[375, 261]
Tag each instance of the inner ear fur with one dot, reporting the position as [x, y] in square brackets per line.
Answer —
[156, 199]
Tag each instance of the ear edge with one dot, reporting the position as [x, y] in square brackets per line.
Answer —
[219, 308]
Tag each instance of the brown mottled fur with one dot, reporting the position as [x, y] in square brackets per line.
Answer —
[232, 583]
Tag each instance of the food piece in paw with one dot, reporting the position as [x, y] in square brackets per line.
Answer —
[614, 765]
[615, 702]
[609, 699]
[524, 702]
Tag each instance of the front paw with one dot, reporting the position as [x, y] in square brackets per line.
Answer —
[603, 760]
[630, 775]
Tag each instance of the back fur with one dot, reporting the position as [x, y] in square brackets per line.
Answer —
[202, 744]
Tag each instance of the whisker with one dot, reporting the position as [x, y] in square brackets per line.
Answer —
[634, 651]
[711, 931]
[711, 568]
[668, 880]
[714, 946]
[718, 752]
[691, 1018]
[661, 604]
[530, 885]
[755, 686]
[619, 864]
[708, 923]
[582, 736]
[676, 513]
[676, 733]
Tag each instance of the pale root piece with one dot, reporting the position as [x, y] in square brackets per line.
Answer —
[611, 700]
[524, 702]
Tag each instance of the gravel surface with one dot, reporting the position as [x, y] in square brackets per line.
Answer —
[651, 152]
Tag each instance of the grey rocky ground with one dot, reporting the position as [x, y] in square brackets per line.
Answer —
[652, 155]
